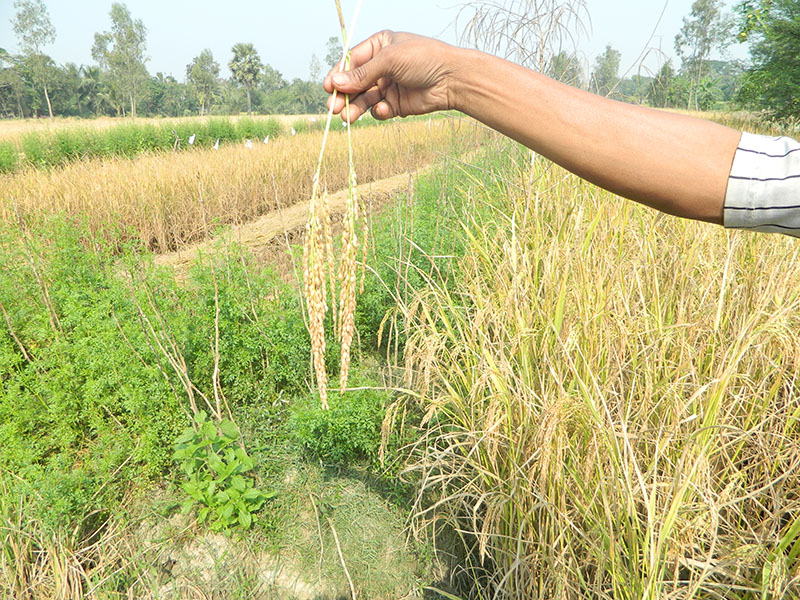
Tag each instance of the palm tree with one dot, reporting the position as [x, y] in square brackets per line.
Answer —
[92, 89]
[246, 68]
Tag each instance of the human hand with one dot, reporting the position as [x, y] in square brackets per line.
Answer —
[394, 74]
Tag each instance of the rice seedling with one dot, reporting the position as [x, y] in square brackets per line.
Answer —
[12, 129]
[61, 146]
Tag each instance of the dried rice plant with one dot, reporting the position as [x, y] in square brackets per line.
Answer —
[319, 253]
[528, 32]
[605, 417]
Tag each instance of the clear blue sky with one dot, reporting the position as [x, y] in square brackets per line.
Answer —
[287, 33]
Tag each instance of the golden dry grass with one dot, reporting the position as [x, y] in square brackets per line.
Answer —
[163, 197]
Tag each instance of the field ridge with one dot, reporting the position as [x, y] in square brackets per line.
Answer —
[262, 233]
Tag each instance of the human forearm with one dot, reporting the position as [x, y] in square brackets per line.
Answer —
[674, 163]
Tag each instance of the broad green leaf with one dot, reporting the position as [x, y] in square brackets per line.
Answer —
[252, 494]
[216, 463]
[239, 483]
[228, 429]
[229, 469]
[186, 436]
[191, 489]
[209, 432]
[245, 519]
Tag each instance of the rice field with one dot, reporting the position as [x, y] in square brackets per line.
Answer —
[171, 199]
[562, 394]
[13, 129]
[610, 398]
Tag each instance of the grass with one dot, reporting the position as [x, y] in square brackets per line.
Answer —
[149, 553]
[46, 148]
[13, 129]
[62, 146]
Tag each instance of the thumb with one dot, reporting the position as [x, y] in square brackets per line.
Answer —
[363, 77]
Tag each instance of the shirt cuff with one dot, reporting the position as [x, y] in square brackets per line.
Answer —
[764, 185]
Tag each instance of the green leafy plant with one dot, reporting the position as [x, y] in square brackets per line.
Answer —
[8, 157]
[349, 431]
[214, 467]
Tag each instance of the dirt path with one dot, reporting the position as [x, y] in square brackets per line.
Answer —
[274, 228]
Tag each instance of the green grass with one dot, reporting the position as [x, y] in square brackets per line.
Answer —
[9, 157]
[87, 391]
[43, 150]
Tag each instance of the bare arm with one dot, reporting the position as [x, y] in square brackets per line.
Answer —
[674, 163]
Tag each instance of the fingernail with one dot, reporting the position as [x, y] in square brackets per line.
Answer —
[339, 78]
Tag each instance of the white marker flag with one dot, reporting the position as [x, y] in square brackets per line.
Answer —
[248, 143]
[266, 140]
[191, 139]
[216, 144]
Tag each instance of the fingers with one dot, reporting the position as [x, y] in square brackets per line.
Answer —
[383, 110]
[362, 103]
[361, 54]
[327, 83]
[365, 76]
[367, 80]
[390, 106]
[359, 104]
[369, 48]
[369, 61]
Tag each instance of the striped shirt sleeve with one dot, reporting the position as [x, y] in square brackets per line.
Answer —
[764, 185]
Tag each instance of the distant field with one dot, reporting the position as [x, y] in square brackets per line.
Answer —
[162, 195]
[12, 128]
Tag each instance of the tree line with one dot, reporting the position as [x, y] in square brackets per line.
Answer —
[769, 82]
[119, 84]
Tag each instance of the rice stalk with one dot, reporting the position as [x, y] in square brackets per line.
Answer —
[314, 261]
[347, 266]
[319, 252]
